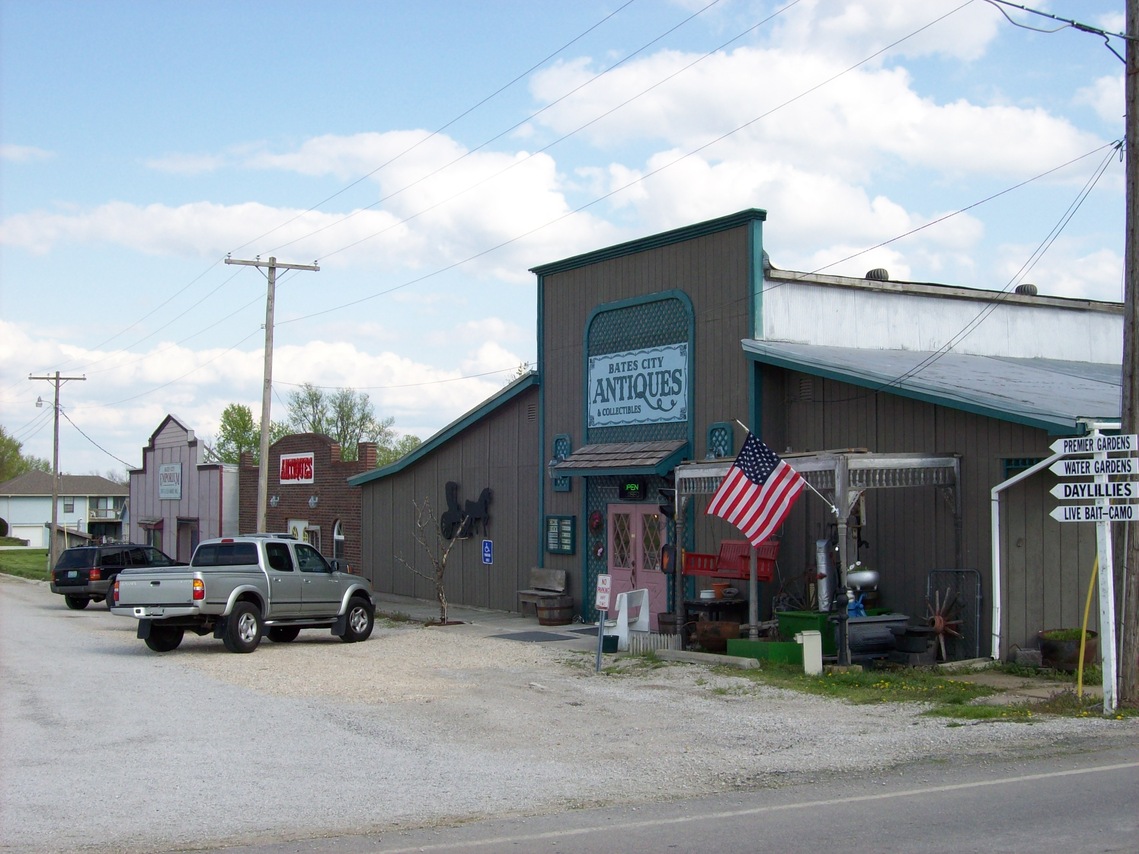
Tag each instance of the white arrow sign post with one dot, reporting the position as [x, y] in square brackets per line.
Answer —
[1099, 466]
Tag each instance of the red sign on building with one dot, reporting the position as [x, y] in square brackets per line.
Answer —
[297, 468]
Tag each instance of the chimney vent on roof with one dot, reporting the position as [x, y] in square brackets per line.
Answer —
[1027, 289]
[878, 274]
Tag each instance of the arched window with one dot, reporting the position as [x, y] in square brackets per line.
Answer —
[337, 540]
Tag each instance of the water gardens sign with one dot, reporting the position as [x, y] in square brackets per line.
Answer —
[639, 387]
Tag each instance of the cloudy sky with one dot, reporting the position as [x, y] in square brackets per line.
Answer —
[427, 154]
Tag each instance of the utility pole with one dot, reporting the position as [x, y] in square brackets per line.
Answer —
[267, 389]
[1129, 668]
[57, 380]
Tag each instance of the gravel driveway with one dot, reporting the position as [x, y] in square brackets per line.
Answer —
[107, 746]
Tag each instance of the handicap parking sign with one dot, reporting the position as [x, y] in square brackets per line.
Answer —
[488, 552]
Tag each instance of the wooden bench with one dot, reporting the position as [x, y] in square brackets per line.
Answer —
[544, 584]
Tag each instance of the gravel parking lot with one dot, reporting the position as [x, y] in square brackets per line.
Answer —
[107, 746]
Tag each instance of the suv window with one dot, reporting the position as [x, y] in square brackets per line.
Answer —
[75, 558]
[148, 556]
[277, 554]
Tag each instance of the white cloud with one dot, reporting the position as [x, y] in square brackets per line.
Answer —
[1106, 97]
[24, 154]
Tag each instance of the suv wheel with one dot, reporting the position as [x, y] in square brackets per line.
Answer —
[243, 628]
[76, 603]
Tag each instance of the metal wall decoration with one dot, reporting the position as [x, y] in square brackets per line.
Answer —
[468, 519]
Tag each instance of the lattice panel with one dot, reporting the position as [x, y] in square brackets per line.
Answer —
[637, 327]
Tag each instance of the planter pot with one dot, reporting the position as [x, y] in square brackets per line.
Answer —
[1065, 654]
[713, 635]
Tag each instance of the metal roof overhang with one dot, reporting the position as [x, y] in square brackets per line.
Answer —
[622, 458]
[1049, 394]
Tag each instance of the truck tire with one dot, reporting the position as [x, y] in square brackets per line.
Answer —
[164, 638]
[361, 618]
[283, 634]
[243, 628]
[76, 603]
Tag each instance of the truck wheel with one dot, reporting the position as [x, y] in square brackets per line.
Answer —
[283, 634]
[164, 638]
[243, 628]
[76, 603]
[361, 619]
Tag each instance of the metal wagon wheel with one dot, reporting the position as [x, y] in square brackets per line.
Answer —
[944, 618]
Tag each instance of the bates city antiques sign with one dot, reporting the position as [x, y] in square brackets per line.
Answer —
[638, 387]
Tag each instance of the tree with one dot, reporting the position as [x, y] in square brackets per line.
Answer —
[388, 454]
[239, 433]
[13, 462]
[437, 547]
[346, 416]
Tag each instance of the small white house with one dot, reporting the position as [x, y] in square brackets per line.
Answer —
[89, 505]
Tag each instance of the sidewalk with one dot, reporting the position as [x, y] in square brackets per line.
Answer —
[489, 623]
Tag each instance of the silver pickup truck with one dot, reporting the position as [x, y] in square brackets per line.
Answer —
[240, 587]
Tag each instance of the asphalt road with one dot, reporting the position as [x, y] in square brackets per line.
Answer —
[1062, 803]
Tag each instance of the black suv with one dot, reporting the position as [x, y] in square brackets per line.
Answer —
[87, 573]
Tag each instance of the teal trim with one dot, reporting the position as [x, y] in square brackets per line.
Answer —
[655, 241]
[539, 559]
[755, 276]
[516, 388]
[563, 447]
[721, 440]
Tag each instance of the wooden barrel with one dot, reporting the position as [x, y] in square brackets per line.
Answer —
[555, 610]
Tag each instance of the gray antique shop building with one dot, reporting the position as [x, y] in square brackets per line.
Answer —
[654, 352]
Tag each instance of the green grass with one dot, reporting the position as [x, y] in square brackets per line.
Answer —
[26, 563]
[893, 685]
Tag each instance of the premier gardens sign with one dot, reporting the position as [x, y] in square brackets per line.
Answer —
[638, 387]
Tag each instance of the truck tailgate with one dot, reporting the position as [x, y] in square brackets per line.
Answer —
[172, 587]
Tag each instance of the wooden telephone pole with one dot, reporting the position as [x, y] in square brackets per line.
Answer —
[1129, 666]
[267, 390]
[57, 380]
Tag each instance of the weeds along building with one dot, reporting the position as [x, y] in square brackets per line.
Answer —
[653, 353]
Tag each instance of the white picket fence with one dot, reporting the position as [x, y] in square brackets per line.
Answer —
[642, 642]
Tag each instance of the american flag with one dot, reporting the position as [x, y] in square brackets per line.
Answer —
[758, 491]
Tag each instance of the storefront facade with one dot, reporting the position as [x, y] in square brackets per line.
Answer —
[672, 347]
[309, 496]
[176, 499]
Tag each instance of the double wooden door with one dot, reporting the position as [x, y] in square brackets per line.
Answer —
[636, 534]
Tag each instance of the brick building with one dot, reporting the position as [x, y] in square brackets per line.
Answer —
[309, 495]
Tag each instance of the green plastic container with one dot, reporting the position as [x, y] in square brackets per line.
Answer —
[793, 622]
[787, 653]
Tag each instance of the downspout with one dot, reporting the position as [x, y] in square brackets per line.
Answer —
[995, 542]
